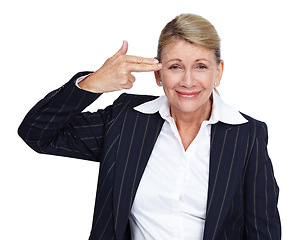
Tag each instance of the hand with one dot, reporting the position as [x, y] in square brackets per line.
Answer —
[116, 75]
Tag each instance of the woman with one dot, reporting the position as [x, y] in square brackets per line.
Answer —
[181, 166]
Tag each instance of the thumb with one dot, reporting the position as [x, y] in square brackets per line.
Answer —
[124, 48]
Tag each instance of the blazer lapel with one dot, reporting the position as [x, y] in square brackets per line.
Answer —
[223, 175]
[138, 137]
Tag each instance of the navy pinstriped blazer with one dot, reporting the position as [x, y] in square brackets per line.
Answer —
[242, 194]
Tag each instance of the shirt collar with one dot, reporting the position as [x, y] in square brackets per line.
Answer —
[220, 111]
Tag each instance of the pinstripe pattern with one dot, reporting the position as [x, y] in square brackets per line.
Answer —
[239, 176]
[228, 182]
[125, 169]
[242, 194]
[254, 190]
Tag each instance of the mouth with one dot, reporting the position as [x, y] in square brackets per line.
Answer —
[188, 94]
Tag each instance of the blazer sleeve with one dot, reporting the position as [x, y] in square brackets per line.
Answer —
[56, 124]
[262, 219]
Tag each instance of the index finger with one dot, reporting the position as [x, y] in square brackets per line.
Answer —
[140, 60]
[144, 67]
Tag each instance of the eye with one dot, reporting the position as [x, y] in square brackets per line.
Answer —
[175, 67]
[201, 66]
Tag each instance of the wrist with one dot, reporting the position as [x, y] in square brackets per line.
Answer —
[88, 84]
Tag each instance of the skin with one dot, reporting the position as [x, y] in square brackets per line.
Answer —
[187, 74]
[187, 77]
[116, 73]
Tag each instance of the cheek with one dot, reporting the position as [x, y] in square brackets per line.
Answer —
[205, 80]
[211, 77]
[170, 80]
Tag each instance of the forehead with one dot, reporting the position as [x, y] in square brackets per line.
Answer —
[181, 49]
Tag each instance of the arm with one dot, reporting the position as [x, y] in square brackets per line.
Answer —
[55, 125]
[261, 191]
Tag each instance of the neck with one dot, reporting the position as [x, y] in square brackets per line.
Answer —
[191, 119]
[188, 124]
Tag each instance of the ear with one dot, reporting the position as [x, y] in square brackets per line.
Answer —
[158, 78]
[220, 69]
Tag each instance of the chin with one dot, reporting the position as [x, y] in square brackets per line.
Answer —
[186, 108]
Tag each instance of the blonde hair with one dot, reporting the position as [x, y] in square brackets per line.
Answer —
[191, 28]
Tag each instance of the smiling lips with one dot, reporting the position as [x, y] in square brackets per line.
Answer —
[187, 94]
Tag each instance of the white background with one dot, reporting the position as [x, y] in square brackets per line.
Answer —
[44, 43]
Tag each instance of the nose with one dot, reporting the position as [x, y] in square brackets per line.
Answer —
[187, 79]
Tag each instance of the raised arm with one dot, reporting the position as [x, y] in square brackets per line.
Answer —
[56, 124]
[116, 73]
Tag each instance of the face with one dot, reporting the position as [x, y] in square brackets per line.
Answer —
[188, 76]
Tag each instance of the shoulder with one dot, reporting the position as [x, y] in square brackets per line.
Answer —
[254, 122]
[133, 100]
[256, 128]
[124, 104]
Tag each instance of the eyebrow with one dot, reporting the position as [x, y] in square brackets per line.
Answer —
[204, 59]
[176, 59]
[197, 60]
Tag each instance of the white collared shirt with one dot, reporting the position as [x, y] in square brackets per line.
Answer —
[171, 199]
